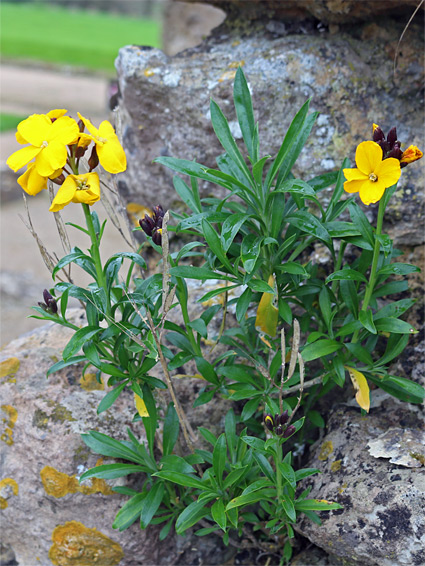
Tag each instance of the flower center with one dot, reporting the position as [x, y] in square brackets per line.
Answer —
[373, 177]
[44, 144]
[82, 185]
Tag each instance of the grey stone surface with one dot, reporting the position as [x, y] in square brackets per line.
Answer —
[349, 75]
[382, 522]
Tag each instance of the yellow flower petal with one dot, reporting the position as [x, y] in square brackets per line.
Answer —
[65, 194]
[35, 129]
[354, 186]
[374, 126]
[64, 130]
[51, 158]
[354, 175]
[267, 313]
[92, 129]
[368, 156]
[412, 153]
[361, 387]
[31, 181]
[21, 157]
[111, 156]
[388, 171]
[370, 192]
[53, 114]
[140, 406]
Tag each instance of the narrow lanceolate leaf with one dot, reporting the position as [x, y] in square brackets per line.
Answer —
[267, 313]
[140, 406]
[244, 112]
[316, 505]
[361, 387]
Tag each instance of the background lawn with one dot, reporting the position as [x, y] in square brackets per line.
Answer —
[73, 37]
[10, 121]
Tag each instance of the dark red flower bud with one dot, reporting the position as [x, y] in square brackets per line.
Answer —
[59, 180]
[392, 137]
[157, 236]
[80, 151]
[289, 431]
[395, 152]
[268, 421]
[47, 296]
[158, 215]
[80, 125]
[283, 418]
[378, 135]
[51, 304]
[279, 430]
[147, 225]
[93, 159]
[43, 306]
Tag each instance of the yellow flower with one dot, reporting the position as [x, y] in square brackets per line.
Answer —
[53, 114]
[373, 175]
[412, 153]
[48, 141]
[77, 188]
[32, 182]
[110, 152]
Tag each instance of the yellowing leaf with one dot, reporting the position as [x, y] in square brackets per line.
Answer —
[140, 406]
[361, 387]
[267, 313]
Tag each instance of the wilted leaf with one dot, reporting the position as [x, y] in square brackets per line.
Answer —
[361, 387]
[140, 406]
[267, 313]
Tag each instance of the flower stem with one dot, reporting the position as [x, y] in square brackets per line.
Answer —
[372, 277]
[95, 253]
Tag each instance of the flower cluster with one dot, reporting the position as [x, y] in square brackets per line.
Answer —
[379, 164]
[54, 144]
[277, 425]
[152, 226]
[50, 305]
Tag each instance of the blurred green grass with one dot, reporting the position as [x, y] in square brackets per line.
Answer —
[55, 34]
[9, 121]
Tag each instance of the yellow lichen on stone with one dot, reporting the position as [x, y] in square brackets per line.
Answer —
[9, 423]
[336, 466]
[326, 450]
[8, 487]
[58, 484]
[76, 545]
[88, 382]
[342, 488]
[148, 72]
[9, 367]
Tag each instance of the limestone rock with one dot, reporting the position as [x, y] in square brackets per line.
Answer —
[349, 75]
[328, 11]
[44, 508]
[382, 522]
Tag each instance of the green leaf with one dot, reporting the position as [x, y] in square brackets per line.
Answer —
[110, 398]
[400, 387]
[63, 364]
[202, 273]
[206, 370]
[265, 466]
[112, 471]
[346, 274]
[106, 446]
[181, 479]
[366, 318]
[342, 229]
[251, 247]
[398, 269]
[359, 352]
[360, 220]
[259, 286]
[150, 422]
[80, 337]
[316, 505]
[395, 326]
[71, 258]
[395, 345]
[129, 512]
[308, 223]
[349, 294]
[319, 349]
[214, 244]
[316, 418]
[189, 197]
[288, 507]
[219, 457]
[304, 473]
[331, 212]
[242, 304]
[231, 227]
[218, 514]
[245, 113]
[325, 305]
[250, 498]
[151, 504]
[234, 477]
[224, 135]
[191, 515]
[293, 268]
[171, 430]
[396, 309]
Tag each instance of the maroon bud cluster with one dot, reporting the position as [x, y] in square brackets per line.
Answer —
[93, 160]
[50, 305]
[152, 226]
[390, 145]
[277, 425]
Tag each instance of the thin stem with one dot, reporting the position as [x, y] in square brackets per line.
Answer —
[277, 461]
[338, 264]
[95, 253]
[372, 277]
